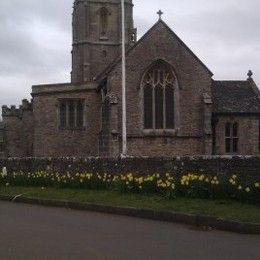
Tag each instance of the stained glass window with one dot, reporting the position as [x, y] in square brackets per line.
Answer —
[158, 90]
[148, 107]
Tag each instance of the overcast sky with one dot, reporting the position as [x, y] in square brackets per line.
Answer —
[35, 38]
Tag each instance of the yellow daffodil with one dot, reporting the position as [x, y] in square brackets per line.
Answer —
[201, 178]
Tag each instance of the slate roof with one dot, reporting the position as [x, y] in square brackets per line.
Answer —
[235, 97]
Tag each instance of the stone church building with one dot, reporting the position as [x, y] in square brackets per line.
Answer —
[174, 107]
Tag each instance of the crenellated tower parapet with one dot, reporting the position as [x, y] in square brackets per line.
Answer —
[16, 130]
[14, 111]
[11, 111]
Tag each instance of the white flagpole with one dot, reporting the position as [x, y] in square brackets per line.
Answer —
[124, 139]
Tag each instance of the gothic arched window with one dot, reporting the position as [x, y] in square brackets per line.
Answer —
[158, 86]
[103, 20]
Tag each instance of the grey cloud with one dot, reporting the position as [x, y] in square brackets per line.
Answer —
[231, 25]
[227, 40]
[49, 11]
[21, 49]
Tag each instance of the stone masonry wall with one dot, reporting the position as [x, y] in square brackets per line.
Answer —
[2, 140]
[194, 80]
[18, 130]
[94, 47]
[49, 140]
[243, 166]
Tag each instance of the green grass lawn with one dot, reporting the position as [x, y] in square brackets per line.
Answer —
[226, 209]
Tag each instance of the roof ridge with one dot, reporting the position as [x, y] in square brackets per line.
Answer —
[230, 80]
[254, 87]
[231, 83]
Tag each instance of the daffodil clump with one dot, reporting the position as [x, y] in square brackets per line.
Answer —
[151, 183]
[170, 185]
[200, 185]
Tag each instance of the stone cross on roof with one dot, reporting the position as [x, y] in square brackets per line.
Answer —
[160, 13]
[250, 74]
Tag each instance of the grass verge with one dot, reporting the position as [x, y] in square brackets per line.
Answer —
[225, 209]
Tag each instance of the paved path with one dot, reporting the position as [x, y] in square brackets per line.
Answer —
[34, 232]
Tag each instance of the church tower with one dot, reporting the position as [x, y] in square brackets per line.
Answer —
[97, 36]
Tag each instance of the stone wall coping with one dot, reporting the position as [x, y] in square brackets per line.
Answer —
[66, 87]
[104, 1]
[244, 166]
[175, 158]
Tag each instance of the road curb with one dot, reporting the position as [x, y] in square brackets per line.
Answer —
[168, 216]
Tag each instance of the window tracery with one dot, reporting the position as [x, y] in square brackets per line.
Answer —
[158, 86]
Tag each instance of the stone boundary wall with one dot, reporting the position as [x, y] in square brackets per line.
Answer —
[239, 165]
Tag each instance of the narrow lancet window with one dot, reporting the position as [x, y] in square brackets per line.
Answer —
[103, 20]
[231, 137]
[63, 112]
[148, 107]
[79, 116]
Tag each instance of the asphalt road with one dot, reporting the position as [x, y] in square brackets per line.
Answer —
[34, 232]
